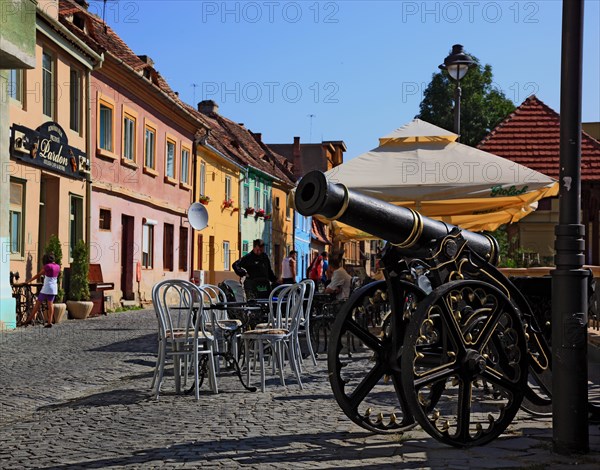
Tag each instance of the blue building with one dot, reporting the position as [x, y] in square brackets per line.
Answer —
[302, 231]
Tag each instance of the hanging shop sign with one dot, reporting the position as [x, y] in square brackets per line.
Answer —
[47, 147]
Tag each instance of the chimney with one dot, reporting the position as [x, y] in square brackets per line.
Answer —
[146, 60]
[257, 136]
[297, 157]
[208, 107]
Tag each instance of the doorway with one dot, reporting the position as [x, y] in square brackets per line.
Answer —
[127, 225]
[49, 216]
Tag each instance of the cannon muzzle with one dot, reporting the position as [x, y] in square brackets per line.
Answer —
[403, 227]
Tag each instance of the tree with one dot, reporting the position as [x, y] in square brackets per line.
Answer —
[483, 106]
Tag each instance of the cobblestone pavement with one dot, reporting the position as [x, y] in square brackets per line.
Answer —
[77, 396]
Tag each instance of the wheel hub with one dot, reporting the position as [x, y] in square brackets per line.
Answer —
[474, 363]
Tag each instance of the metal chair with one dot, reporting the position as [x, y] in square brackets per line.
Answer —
[182, 333]
[281, 336]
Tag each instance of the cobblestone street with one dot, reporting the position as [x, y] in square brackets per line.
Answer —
[77, 396]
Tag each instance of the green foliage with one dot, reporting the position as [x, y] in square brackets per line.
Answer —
[516, 257]
[483, 106]
[126, 308]
[53, 246]
[79, 288]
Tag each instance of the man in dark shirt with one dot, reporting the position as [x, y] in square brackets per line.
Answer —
[256, 268]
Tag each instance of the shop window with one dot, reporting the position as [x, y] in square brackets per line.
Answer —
[226, 256]
[75, 222]
[183, 248]
[16, 220]
[105, 129]
[48, 84]
[203, 179]
[15, 85]
[170, 160]
[75, 100]
[147, 246]
[105, 218]
[168, 248]
[150, 147]
[185, 166]
[129, 126]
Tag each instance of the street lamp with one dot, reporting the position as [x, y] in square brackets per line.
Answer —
[457, 65]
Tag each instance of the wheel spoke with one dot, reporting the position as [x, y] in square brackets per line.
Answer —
[371, 341]
[489, 328]
[464, 410]
[435, 375]
[407, 417]
[366, 385]
[453, 328]
[494, 377]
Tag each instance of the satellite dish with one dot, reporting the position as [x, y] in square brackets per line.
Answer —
[198, 216]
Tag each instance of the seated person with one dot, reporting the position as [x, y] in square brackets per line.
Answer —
[340, 281]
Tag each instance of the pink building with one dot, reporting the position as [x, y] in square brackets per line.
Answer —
[141, 155]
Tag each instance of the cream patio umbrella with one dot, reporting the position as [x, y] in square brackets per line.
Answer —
[421, 166]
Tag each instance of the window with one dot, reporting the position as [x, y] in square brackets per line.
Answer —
[185, 166]
[16, 220]
[75, 223]
[277, 202]
[227, 188]
[170, 160]
[245, 247]
[147, 246]
[225, 256]
[75, 100]
[105, 137]
[257, 197]
[288, 209]
[129, 138]
[203, 179]
[15, 85]
[104, 219]
[47, 84]
[246, 196]
[266, 202]
[168, 248]
[183, 248]
[150, 147]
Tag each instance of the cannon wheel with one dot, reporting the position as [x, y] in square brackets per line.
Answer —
[465, 336]
[364, 374]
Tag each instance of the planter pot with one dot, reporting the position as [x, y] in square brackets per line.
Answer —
[60, 313]
[79, 310]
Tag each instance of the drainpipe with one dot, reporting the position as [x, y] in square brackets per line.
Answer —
[194, 199]
[88, 151]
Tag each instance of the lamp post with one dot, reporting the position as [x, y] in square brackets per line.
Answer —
[457, 65]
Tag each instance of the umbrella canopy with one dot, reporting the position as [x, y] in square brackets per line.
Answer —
[421, 166]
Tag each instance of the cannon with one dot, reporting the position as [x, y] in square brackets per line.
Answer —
[446, 341]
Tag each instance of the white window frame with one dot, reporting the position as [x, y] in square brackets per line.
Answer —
[148, 246]
[17, 209]
[129, 137]
[75, 100]
[168, 144]
[48, 85]
[227, 188]
[185, 169]
[150, 150]
[226, 256]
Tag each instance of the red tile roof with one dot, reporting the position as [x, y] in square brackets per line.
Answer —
[530, 136]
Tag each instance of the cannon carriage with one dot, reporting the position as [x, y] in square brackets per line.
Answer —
[454, 346]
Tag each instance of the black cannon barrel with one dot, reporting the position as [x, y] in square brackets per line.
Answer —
[405, 228]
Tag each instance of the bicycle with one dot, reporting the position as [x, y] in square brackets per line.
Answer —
[26, 299]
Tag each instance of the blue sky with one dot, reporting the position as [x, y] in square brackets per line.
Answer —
[347, 70]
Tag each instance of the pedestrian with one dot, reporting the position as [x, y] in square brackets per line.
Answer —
[325, 257]
[340, 280]
[315, 270]
[50, 271]
[255, 267]
[288, 268]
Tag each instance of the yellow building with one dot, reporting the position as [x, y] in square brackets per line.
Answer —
[217, 246]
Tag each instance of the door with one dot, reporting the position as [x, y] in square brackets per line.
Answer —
[127, 223]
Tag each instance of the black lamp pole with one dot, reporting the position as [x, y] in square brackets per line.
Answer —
[457, 65]
[569, 279]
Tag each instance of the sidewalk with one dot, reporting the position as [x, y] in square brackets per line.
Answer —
[77, 396]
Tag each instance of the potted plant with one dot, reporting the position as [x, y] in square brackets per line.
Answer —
[78, 302]
[204, 200]
[268, 216]
[259, 213]
[60, 308]
[227, 203]
[249, 211]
